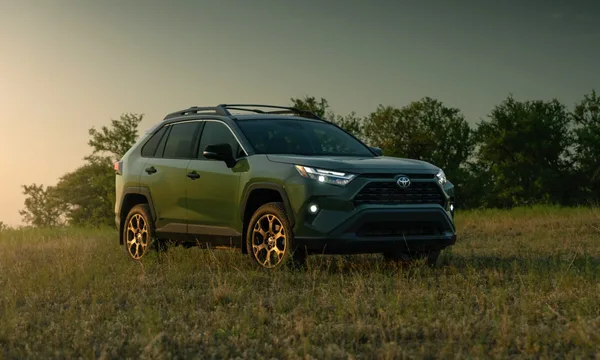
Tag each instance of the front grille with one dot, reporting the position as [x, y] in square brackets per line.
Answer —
[386, 229]
[389, 193]
[393, 175]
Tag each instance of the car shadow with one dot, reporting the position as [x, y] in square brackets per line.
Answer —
[345, 264]
[553, 263]
[354, 264]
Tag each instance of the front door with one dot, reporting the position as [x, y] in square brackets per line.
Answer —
[213, 199]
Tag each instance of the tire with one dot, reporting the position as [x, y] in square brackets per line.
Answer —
[430, 257]
[161, 245]
[270, 238]
[138, 232]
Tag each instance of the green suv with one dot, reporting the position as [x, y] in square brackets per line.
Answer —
[278, 183]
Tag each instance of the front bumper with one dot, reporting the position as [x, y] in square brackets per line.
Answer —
[373, 230]
[346, 246]
[380, 219]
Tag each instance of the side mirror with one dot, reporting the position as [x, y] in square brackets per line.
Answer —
[376, 150]
[221, 152]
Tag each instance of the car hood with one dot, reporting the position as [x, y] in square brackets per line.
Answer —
[359, 165]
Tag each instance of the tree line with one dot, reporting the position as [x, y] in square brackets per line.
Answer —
[523, 153]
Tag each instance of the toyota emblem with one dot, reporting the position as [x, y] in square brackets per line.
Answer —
[403, 181]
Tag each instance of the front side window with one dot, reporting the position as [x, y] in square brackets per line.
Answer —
[214, 133]
[301, 137]
[180, 141]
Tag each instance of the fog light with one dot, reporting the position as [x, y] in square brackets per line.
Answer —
[313, 209]
[451, 207]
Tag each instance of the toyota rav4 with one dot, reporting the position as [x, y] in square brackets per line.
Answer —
[279, 184]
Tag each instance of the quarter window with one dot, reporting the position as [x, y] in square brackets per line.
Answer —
[149, 149]
[161, 146]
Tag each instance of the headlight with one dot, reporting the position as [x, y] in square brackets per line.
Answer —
[441, 177]
[325, 176]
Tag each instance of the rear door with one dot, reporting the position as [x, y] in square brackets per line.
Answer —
[165, 175]
[213, 198]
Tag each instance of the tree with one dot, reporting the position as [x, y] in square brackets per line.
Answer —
[117, 139]
[586, 116]
[310, 103]
[351, 122]
[425, 130]
[85, 196]
[3, 226]
[523, 150]
[88, 193]
[43, 208]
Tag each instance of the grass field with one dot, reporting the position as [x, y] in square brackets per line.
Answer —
[518, 284]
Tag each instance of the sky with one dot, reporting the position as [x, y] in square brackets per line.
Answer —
[67, 66]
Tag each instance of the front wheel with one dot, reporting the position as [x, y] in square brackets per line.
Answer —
[269, 238]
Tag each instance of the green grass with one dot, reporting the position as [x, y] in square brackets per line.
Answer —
[519, 284]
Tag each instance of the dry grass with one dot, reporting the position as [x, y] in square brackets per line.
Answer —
[519, 284]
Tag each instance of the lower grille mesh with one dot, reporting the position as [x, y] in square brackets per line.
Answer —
[383, 229]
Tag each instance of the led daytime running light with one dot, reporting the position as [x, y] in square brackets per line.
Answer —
[441, 177]
[325, 176]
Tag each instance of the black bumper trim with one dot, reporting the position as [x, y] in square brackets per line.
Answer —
[348, 239]
[356, 245]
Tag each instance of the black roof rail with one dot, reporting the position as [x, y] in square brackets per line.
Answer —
[280, 110]
[212, 110]
[223, 110]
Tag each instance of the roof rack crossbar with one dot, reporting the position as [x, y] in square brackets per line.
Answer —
[282, 109]
[213, 110]
[223, 110]
[244, 109]
[302, 113]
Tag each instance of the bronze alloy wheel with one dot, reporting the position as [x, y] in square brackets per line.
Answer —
[137, 236]
[269, 241]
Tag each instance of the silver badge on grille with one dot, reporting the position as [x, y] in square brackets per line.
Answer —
[403, 181]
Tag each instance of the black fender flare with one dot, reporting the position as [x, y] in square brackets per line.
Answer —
[138, 190]
[268, 186]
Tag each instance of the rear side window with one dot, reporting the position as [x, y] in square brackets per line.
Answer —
[180, 141]
[149, 149]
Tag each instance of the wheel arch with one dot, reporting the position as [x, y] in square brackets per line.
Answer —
[131, 197]
[258, 194]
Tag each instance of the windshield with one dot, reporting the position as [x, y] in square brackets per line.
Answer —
[300, 138]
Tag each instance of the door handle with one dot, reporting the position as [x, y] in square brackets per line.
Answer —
[151, 170]
[193, 175]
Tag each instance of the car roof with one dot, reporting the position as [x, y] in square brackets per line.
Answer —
[271, 117]
[241, 117]
[259, 111]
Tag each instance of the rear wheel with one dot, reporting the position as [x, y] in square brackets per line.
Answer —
[270, 240]
[138, 232]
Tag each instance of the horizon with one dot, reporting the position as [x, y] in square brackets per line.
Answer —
[72, 65]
